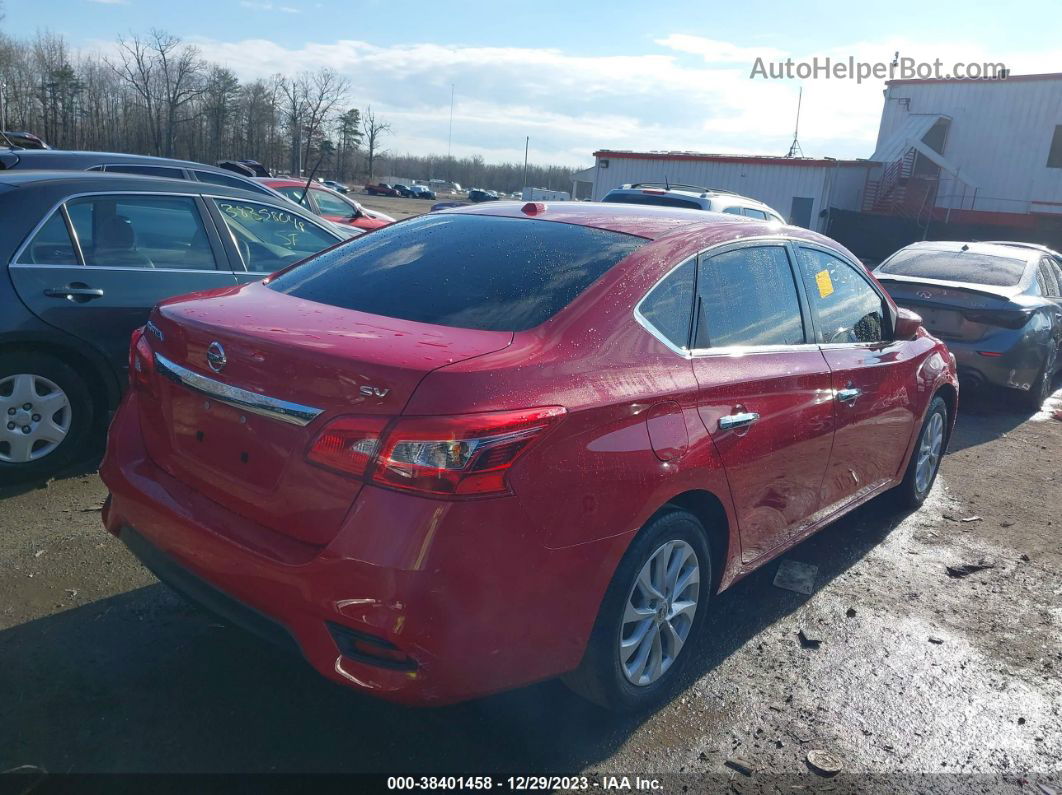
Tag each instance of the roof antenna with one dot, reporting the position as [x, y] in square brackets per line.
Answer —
[794, 149]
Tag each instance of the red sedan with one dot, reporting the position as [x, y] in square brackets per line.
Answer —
[328, 204]
[498, 444]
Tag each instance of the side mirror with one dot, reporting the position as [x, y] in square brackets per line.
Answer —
[907, 324]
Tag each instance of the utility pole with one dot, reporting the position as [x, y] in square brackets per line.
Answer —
[794, 149]
[527, 143]
[3, 108]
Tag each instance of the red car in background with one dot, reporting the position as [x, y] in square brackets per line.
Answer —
[497, 444]
[328, 204]
[382, 189]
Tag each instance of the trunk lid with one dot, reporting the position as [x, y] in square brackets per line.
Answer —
[945, 306]
[238, 432]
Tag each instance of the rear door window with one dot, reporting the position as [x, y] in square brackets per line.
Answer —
[297, 195]
[51, 245]
[211, 178]
[331, 205]
[148, 171]
[657, 199]
[669, 306]
[848, 309]
[467, 271]
[748, 297]
[269, 238]
[139, 231]
[1050, 278]
[752, 212]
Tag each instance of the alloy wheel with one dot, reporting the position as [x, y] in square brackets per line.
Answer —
[929, 452]
[35, 417]
[658, 612]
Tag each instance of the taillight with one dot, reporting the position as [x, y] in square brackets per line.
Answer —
[461, 455]
[348, 444]
[141, 361]
[1003, 318]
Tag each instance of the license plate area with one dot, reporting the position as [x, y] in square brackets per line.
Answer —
[235, 444]
[945, 321]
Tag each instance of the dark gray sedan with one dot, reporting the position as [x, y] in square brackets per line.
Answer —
[120, 163]
[998, 307]
[88, 255]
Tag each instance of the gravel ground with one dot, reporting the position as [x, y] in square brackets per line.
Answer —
[953, 682]
[396, 206]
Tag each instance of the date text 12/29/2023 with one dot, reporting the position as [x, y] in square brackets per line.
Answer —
[521, 783]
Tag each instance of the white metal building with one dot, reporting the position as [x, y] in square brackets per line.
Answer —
[800, 189]
[973, 151]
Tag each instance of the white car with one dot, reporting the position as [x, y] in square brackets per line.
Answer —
[693, 197]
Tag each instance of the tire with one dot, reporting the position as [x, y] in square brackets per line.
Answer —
[603, 677]
[912, 492]
[1040, 391]
[60, 416]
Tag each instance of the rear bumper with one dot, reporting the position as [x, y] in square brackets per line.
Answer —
[1015, 367]
[476, 602]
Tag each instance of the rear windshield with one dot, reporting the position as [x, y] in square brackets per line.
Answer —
[956, 266]
[658, 199]
[467, 271]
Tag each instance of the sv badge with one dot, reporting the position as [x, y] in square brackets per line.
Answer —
[373, 391]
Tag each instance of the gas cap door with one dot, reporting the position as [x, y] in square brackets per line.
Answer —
[667, 430]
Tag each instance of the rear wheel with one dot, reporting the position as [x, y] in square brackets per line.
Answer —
[649, 618]
[925, 460]
[1040, 390]
[45, 415]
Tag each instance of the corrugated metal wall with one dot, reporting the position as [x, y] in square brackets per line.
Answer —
[1000, 136]
[771, 183]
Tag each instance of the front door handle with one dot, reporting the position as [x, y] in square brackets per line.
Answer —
[742, 420]
[74, 292]
[851, 393]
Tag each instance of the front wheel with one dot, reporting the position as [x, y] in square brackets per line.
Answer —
[650, 617]
[925, 460]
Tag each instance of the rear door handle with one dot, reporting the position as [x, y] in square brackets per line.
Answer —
[851, 393]
[742, 420]
[74, 292]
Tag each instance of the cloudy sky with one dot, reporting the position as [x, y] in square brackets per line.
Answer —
[580, 76]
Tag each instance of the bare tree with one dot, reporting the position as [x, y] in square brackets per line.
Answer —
[138, 69]
[180, 72]
[294, 113]
[323, 90]
[156, 95]
[372, 129]
[166, 76]
[219, 104]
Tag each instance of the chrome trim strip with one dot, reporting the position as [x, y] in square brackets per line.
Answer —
[92, 268]
[263, 405]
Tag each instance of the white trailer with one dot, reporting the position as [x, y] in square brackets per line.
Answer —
[544, 195]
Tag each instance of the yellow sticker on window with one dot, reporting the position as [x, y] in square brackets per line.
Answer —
[822, 279]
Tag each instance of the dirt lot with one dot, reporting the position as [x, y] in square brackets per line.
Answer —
[918, 674]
